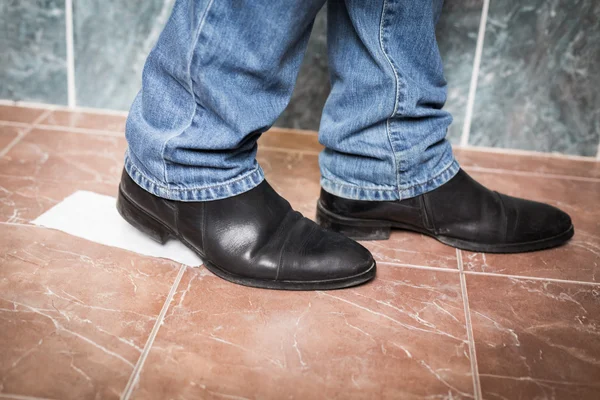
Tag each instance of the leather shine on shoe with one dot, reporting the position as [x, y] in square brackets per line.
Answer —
[253, 239]
[461, 213]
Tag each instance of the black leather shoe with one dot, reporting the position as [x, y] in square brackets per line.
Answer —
[253, 239]
[461, 213]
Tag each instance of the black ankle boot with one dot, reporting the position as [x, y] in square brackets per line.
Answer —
[253, 239]
[461, 213]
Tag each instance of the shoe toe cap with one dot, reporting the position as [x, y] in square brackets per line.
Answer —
[321, 255]
[539, 221]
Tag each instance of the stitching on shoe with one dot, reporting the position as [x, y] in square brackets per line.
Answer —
[203, 227]
[428, 219]
[176, 212]
[285, 242]
[505, 219]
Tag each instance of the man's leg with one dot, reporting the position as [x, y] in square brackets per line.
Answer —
[383, 125]
[220, 74]
[387, 163]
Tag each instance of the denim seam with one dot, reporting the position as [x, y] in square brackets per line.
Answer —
[383, 189]
[170, 189]
[189, 73]
[397, 92]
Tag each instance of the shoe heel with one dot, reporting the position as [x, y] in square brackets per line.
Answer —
[142, 221]
[353, 228]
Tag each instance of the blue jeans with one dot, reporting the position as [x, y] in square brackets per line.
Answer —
[223, 71]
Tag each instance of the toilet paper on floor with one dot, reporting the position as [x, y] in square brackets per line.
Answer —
[94, 217]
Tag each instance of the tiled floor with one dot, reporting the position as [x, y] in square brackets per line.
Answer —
[79, 320]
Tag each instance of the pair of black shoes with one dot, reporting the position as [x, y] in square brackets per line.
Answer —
[256, 239]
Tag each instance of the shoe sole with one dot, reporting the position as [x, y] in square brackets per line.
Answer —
[365, 229]
[158, 231]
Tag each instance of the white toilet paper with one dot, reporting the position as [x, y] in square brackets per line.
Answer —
[94, 217]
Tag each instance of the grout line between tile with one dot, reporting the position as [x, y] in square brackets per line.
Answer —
[521, 152]
[81, 130]
[413, 266]
[135, 375]
[299, 131]
[531, 174]
[464, 139]
[21, 135]
[59, 107]
[58, 181]
[21, 224]
[492, 274]
[288, 150]
[71, 97]
[21, 397]
[15, 124]
[531, 278]
[472, 352]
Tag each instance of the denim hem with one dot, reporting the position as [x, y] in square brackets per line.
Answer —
[219, 191]
[433, 183]
[388, 194]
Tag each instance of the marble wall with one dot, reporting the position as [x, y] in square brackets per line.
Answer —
[33, 51]
[536, 88]
[457, 38]
[539, 78]
[312, 87]
[112, 39]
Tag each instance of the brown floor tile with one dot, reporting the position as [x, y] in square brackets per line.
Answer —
[295, 176]
[538, 164]
[8, 134]
[24, 199]
[577, 260]
[86, 120]
[74, 314]
[47, 166]
[535, 339]
[401, 336]
[66, 156]
[20, 114]
[405, 247]
[291, 140]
